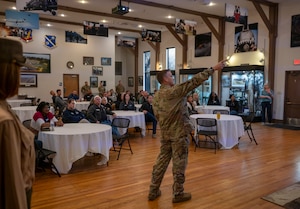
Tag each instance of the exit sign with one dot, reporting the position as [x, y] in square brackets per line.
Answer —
[297, 62]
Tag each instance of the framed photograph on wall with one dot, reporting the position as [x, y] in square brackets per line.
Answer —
[130, 81]
[28, 80]
[40, 61]
[94, 82]
[97, 70]
[88, 60]
[105, 61]
[103, 83]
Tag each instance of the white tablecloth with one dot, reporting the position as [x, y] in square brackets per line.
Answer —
[230, 128]
[72, 141]
[27, 112]
[82, 105]
[137, 119]
[208, 109]
[17, 102]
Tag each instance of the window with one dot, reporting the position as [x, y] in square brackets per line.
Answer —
[170, 58]
[146, 70]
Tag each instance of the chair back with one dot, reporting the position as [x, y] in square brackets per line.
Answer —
[27, 123]
[26, 104]
[206, 122]
[120, 122]
[223, 112]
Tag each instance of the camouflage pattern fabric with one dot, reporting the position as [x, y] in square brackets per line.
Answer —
[170, 108]
[85, 89]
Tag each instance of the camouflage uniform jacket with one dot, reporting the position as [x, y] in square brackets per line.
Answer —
[170, 106]
[85, 89]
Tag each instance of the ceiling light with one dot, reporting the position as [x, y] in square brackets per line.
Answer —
[211, 4]
[140, 26]
[119, 33]
[14, 8]
[104, 21]
[83, 2]
[130, 10]
[48, 25]
[169, 16]
[62, 15]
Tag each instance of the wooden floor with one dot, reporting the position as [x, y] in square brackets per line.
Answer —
[235, 178]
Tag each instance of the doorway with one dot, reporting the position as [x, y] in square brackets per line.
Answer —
[71, 83]
[292, 98]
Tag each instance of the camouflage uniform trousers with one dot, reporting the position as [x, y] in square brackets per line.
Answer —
[177, 149]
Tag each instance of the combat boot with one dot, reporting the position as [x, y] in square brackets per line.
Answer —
[153, 196]
[182, 197]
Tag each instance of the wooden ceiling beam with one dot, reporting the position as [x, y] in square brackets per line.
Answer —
[172, 31]
[264, 2]
[171, 7]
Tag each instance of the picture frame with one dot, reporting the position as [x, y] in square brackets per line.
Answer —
[130, 81]
[94, 82]
[40, 61]
[105, 61]
[28, 80]
[103, 83]
[97, 70]
[88, 60]
[237, 81]
[140, 80]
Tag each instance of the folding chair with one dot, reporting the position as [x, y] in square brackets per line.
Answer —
[208, 128]
[118, 141]
[42, 156]
[248, 120]
[223, 112]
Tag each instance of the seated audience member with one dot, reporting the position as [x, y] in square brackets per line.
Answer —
[191, 105]
[52, 93]
[112, 95]
[72, 115]
[105, 104]
[97, 114]
[196, 99]
[88, 96]
[127, 104]
[42, 119]
[120, 98]
[147, 109]
[233, 104]
[59, 104]
[143, 97]
[213, 99]
[74, 96]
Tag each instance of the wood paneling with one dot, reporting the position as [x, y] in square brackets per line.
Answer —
[235, 178]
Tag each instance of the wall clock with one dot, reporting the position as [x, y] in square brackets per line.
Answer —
[70, 64]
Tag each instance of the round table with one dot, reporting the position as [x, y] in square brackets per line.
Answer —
[82, 105]
[230, 128]
[137, 119]
[208, 109]
[17, 102]
[27, 112]
[73, 140]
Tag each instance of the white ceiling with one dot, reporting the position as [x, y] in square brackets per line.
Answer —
[138, 11]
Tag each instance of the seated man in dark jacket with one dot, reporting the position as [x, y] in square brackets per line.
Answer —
[98, 114]
[147, 109]
[72, 115]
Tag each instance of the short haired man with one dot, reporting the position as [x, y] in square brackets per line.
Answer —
[170, 109]
[72, 115]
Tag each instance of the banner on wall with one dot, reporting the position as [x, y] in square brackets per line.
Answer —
[186, 27]
[75, 37]
[22, 19]
[38, 6]
[295, 31]
[151, 35]
[246, 38]
[203, 45]
[236, 14]
[125, 41]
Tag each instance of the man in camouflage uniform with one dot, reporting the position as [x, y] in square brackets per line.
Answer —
[85, 89]
[101, 89]
[171, 111]
[120, 88]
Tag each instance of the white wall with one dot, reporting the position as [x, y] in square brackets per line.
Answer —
[97, 47]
